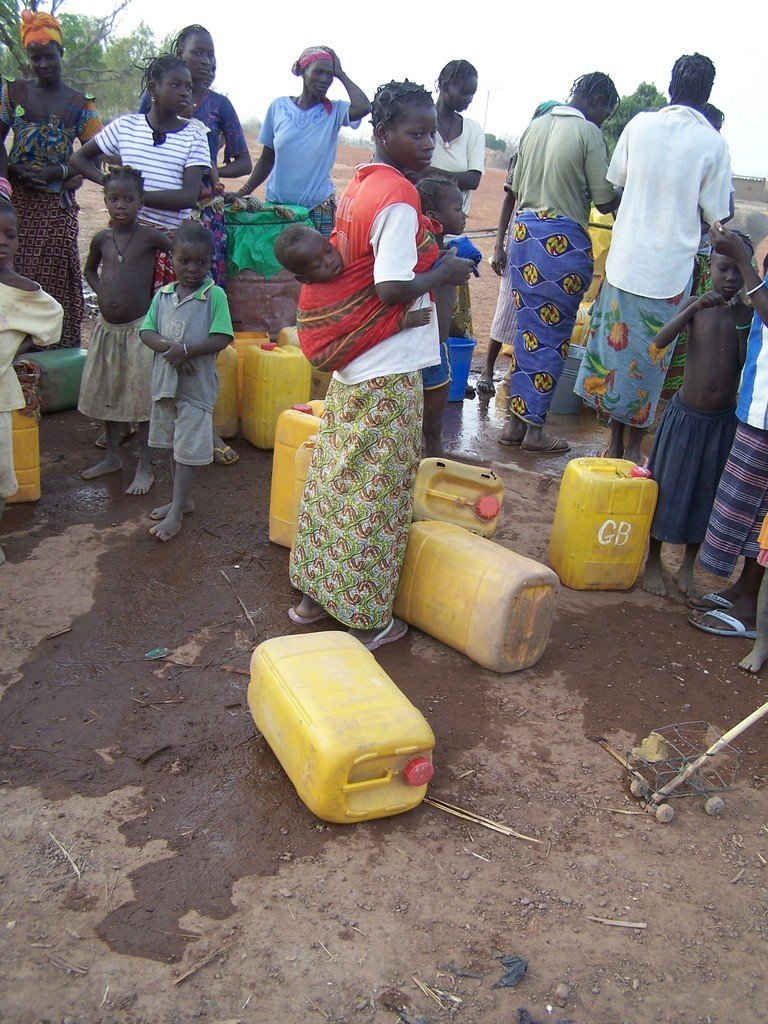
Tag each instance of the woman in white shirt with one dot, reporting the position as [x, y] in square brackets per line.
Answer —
[675, 172]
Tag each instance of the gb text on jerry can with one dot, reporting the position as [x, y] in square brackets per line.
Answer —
[352, 744]
[601, 525]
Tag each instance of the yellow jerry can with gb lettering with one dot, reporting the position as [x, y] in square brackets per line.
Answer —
[602, 523]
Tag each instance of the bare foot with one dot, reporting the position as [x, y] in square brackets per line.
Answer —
[162, 510]
[755, 659]
[613, 451]
[168, 527]
[653, 581]
[684, 578]
[308, 607]
[111, 464]
[142, 482]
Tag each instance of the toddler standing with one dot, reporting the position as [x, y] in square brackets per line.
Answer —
[28, 317]
[116, 384]
[187, 325]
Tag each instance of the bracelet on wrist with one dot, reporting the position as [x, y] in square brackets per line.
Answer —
[186, 350]
[756, 288]
[64, 172]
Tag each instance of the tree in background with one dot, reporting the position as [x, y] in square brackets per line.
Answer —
[494, 144]
[645, 97]
[96, 60]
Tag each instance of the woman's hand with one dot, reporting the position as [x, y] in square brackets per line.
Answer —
[32, 180]
[498, 260]
[73, 183]
[453, 269]
[337, 68]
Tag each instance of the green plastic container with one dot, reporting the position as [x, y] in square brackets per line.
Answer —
[60, 374]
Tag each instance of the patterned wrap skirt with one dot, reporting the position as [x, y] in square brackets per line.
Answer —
[550, 268]
[622, 372]
[358, 499]
[323, 216]
[48, 253]
[741, 503]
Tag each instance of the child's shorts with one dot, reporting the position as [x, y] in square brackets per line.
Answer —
[8, 482]
[184, 428]
[440, 374]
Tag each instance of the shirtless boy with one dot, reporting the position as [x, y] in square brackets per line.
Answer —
[118, 371]
[697, 429]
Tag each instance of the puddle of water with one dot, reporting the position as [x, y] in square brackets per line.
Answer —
[474, 426]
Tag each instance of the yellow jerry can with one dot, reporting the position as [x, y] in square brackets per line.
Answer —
[352, 744]
[482, 599]
[26, 456]
[225, 411]
[602, 522]
[294, 426]
[274, 379]
[451, 492]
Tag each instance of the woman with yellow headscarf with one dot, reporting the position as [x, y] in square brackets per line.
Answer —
[46, 117]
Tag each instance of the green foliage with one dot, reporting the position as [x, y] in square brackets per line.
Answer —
[494, 144]
[645, 97]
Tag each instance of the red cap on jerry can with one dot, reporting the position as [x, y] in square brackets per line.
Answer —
[268, 346]
[303, 407]
[418, 771]
[487, 507]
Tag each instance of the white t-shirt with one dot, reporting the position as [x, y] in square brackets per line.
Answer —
[393, 238]
[465, 153]
[675, 170]
[130, 138]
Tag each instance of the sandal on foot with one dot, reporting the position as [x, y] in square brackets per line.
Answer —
[485, 386]
[708, 602]
[225, 456]
[738, 629]
[396, 630]
[306, 620]
[557, 444]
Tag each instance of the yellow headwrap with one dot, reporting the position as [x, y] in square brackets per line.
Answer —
[39, 27]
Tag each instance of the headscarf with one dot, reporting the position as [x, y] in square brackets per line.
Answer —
[309, 56]
[39, 27]
[545, 107]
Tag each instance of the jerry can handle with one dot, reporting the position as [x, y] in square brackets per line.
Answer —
[355, 787]
[459, 501]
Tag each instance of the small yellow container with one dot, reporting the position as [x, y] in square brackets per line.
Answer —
[26, 456]
[484, 600]
[288, 336]
[274, 379]
[243, 341]
[468, 496]
[351, 743]
[225, 412]
[602, 521]
[294, 426]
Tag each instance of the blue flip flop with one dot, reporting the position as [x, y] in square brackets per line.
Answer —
[737, 626]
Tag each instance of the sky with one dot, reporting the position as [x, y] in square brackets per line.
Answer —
[517, 66]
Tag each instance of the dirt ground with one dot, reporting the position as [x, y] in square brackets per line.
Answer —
[157, 865]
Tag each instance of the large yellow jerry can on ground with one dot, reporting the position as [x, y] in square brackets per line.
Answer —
[288, 336]
[294, 426]
[351, 743]
[274, 379]
[301, 465]
[602, 521]
[484, 600]
[243, 341]
[26, 456]
[225, 411]
[451, 492]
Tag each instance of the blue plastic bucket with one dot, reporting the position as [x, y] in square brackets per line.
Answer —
[461, 350]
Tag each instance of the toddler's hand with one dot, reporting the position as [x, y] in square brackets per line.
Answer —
[175, 354]
[709, 300]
